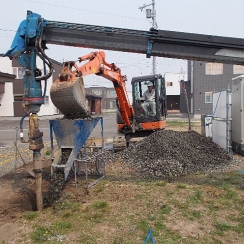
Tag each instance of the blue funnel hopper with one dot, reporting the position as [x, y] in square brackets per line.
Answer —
[73, 134]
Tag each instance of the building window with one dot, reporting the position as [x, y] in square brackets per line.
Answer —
[46, 100]
[19, 72]
[213, 69]
[111, 92]
[238, 69]
[98, 92]
[208, 97]
[112, 104]
[169, 83]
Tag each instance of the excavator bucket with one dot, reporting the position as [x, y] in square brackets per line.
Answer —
[70, 98]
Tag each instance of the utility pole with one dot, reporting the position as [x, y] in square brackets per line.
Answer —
[154, 26]
[151, 14]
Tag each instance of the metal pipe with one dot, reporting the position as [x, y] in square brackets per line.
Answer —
[228, 120]
[36, 144]
[154, 27]
[37, 160]
[192, 84]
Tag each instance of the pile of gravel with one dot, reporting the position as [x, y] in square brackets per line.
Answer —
[170, 153]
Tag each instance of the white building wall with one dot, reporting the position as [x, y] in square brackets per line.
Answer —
[48, 108]
[6, 65]
[175, 79]
[6, 100]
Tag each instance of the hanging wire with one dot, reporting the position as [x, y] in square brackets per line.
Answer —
[80, 9]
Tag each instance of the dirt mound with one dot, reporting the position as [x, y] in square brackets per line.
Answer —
[171, 153]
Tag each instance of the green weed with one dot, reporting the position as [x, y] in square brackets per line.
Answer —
[160, 183]
[192, 215]
[42, 234]
[97, 217]
[30, 215]
[180, 204]
[169, 236]
[216, 241]
[181, 186]
[230, 194]
[158, 226]
[143, 225]
[120, 240]
[165, 210]
[67, 204]
[48, 152]
[177, 124]
[196, 197]
[100, 205]
[221, 227]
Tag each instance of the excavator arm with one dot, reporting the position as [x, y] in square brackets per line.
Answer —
[68, 89]
[113, 73]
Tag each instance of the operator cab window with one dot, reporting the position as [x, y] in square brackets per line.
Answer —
[137, 91]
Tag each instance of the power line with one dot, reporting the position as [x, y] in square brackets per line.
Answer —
[6, 36]
[6, 30]
[75, 8]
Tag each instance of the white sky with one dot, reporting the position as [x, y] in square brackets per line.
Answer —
[213, 17]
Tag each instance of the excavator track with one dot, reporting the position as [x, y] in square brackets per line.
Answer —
[70, 98]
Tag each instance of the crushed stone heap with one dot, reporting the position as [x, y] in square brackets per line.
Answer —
[169, 153]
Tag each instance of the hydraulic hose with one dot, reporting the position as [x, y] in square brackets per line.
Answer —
[45, 59]
[45, 84]
[21, 134]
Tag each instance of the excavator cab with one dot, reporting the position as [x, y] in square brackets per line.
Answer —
[149, 111]
[146, 119]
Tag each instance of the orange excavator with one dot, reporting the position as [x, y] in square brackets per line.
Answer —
[68, 95]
